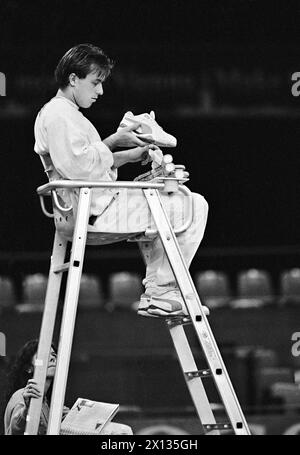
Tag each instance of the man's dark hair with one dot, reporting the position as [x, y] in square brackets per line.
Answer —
[81, 60]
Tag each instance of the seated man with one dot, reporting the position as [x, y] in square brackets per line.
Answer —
[73, 146]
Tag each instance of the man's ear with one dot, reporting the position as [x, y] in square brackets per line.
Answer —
[72, 78]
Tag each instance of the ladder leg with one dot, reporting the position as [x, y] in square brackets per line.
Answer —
[46, 333]
[186, 359]
[197, 314]
[194, 383]
[69, 313]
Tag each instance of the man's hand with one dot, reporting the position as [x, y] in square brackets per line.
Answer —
[133, 155]
[141, 154]
[124, 138]
[31, 390]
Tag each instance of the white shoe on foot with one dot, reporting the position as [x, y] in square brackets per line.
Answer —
[162, 301]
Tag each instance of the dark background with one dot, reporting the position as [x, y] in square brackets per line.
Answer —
[218, 75]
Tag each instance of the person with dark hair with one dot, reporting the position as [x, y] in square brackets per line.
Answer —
[22, 388]
[67, 138]
[80, 60]
[71, 148]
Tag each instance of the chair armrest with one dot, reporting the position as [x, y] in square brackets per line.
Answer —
[48, 187]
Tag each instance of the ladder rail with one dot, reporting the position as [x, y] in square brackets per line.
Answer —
[69, 313]
[198, 317]
[195, 384]
[46, 333]
[186, 360]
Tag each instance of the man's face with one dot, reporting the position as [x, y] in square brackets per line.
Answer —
[87, 90]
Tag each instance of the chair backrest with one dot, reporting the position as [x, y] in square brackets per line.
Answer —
[47, 165]
[290, 284]
[91, 293]
[7, 292]
[65, 219]
[254, 283]
[213, 287]
[125, 289]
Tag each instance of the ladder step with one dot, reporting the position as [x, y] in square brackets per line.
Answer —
[217, 426]
[61, 268]
[180, 320]
[198, 374]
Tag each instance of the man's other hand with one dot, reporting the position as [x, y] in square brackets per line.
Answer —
[125, 137]
[141, 154]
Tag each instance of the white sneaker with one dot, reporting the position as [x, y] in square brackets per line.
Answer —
[143, 306]
[163, 303]
[149, 131]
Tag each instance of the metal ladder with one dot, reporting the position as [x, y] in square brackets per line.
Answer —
[193, 377]
[216, 368]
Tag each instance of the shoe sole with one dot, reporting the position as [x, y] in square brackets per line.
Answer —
[146, 314]
[165, 314]
[150, 139]
[154, 312]
[159, 315]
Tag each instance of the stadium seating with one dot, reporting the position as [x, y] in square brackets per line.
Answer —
[7, 293]
[290, 286]
[91, 293]
[288, 393]
[125, 289]
[213, 288]
[254, 289]
[34, 291]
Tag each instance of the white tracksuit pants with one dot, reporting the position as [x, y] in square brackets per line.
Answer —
[129, 212]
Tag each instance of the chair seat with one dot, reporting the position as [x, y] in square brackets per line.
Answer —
[104, 238]
[65, 226]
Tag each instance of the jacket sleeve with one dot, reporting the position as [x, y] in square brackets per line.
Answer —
[73, 155]
[17, 419]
